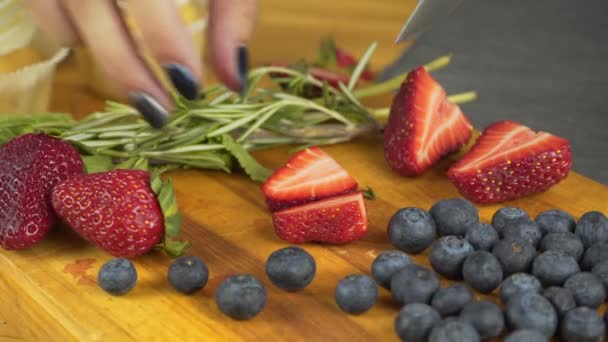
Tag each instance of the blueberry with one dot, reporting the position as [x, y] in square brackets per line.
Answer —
[387, 264]
[486, 317]
[241, 296]
[531, 311]
[454, 216]
[525, 335]
[507, 215]
[415, 321]
[561, 298]
[594, 255]
[414, 284]
[555, 221]
[566, 242]
[482, 271]
[117, 276]
[450, 300]
[482, 236]
[592, 228]
[525, 230]
[552, 268]
[514, 255]
[448, 254]
[411, 230]
[356, 293]
[291, 268]
[583, 325]
[587, 289]
[454, 329]
[188, 274]
[601, 271]
[517, 284]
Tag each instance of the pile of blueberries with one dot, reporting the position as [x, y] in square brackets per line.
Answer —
[551, 274]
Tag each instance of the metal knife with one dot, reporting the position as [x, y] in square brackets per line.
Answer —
[426, 13]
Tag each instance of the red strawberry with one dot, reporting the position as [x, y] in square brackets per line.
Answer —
[30, 166]
[333, 78]
[309, 175]
[510, 161]
[336, 220]
[346, 60]
[119, 211]
[423, 125]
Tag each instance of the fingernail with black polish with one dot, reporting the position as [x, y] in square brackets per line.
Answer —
[149, 108]
[183, 80]
[242, 62]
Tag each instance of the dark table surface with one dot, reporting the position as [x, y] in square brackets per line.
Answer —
[543, 63]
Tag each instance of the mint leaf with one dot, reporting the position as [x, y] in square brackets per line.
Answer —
[255, 171]
[97, 163]
[369, 193]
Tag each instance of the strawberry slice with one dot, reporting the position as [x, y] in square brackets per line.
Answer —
[509, 161]
[348, 61]
[335, 220]
[423, 125]
[309, 175]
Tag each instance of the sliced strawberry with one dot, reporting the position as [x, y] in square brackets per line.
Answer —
[423, 125]
[509, 161]
[309, 175]
[344, 59]
[347, 61]
[335, 220]
[332, 78]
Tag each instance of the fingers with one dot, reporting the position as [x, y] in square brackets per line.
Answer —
[101, 28]
[170, 42]
[231, 24]
[52, 17]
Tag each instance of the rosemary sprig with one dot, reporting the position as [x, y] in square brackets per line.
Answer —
[223, 128]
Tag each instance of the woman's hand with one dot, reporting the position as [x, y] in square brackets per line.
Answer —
[98, 25]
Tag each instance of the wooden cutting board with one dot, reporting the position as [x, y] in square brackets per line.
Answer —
[49, 292]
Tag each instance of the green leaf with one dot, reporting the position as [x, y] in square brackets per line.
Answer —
[326, 54]
[172, 218]
[97, 163]
[369, 193]
[255, 171]
[136, 163]
[175, 248]
[172, 225]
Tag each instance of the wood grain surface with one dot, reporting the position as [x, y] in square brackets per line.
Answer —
[49, 292]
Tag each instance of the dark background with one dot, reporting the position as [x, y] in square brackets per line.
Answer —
[543, 63]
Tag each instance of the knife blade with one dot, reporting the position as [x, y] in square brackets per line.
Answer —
[426, 13]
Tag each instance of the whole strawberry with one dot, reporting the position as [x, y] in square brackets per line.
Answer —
[120, 212]
[30, 166]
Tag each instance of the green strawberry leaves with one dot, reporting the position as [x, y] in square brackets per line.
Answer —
[137, 163]
[97, 163]
[255, 171]
[166, 199]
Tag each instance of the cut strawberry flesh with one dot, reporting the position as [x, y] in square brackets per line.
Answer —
[510, 161]
[309, 175]
[423, 125]
[335, 220]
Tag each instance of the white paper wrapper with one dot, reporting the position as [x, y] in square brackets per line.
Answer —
[28, 89]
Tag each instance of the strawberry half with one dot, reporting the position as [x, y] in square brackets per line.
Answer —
[423, 125]
[335, 220]
[509, 161]
[123, 212]
[309, 175]
[30, 166]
